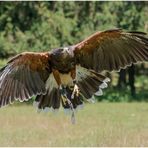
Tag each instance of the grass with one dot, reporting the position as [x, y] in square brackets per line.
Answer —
[100, 124]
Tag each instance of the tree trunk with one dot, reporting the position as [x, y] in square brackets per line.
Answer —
[131, 79]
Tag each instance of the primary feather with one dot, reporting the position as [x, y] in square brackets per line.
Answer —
[112, 50]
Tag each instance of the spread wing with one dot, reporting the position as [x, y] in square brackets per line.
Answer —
[112, 50]
[23, 77]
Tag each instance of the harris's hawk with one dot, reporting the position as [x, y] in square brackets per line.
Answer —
[68, 75]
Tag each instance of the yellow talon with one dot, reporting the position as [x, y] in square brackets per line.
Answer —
[75, 91]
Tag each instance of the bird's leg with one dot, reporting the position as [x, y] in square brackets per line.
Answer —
[61, 87]
[76, 88]
[63, 93]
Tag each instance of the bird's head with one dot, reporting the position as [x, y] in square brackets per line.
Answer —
[62, 53]
[63, 57]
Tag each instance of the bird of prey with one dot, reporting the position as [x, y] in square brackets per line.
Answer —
[70, 75]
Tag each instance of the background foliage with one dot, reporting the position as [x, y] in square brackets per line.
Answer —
[41, 26]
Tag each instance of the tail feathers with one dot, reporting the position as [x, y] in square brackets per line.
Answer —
[49, 101]
[52, 100]
[91, 83]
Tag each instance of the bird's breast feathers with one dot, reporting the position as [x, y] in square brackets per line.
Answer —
[66, 79]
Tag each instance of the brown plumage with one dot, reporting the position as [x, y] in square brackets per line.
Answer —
[112, 50]
[23, 77]
[52, 76]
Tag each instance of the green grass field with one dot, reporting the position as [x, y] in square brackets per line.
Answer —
[100, 124]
